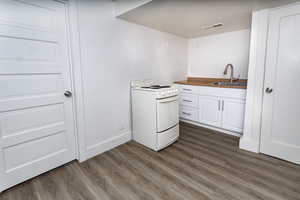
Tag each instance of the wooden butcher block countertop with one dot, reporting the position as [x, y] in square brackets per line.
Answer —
[210, 82]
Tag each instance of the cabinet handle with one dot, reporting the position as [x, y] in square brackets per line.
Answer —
[187, 101]
[187, 89]
[223, 105]
[188, 114]
[219, 105]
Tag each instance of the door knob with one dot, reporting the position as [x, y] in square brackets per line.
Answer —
[269, 90]
[68, 93]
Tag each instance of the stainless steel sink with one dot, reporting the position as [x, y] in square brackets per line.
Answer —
[237, 83]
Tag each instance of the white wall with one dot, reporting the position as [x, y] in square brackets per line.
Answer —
[113, 52]
[208, 56]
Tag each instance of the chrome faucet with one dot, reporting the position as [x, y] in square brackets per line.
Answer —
[231, 74]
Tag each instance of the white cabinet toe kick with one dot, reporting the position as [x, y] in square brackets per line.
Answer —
[220, 109]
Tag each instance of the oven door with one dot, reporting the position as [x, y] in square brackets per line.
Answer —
[167, 113]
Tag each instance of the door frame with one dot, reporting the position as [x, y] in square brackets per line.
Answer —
[73, 37]
[74, 59]
[251, 139]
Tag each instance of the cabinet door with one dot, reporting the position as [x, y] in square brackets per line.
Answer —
[210, 110]
[233, 114]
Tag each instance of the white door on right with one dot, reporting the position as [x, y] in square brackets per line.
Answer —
[281, 107]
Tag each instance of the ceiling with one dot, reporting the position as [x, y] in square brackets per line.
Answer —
[186, 18]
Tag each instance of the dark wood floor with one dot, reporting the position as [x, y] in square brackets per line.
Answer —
[201, 165]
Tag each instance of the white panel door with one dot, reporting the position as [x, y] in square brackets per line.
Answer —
[210, 110]
[281, 106]
[36, 119]
[233, 114]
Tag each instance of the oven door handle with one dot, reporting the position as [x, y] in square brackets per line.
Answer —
[168, 100]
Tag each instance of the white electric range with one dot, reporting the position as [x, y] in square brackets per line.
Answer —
[155, 114]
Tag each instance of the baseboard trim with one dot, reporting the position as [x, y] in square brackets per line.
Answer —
[1, 188]
[212, 128]
[249, 145]
[107, 145]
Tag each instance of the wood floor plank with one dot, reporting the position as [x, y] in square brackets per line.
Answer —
[163, 178]
[199, 181]
[243, 181]
[234, 154]
[245, 165]
[72, 184]
[139, 180]
[24, 191]
[124, 181]
[47, 189]
[100, 179]
[202, 165]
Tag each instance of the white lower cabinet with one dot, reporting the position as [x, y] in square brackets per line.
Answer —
[210, 111]
[233, 111]
[220, 112]
[222, 108]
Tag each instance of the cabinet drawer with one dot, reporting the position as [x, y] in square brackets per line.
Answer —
[188, 113]
[189, 89]
[189, 100]
[222, 92]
